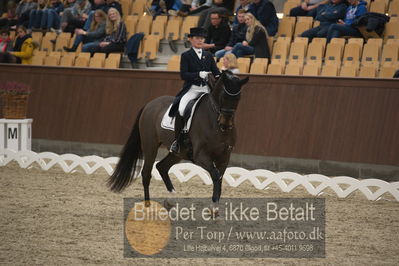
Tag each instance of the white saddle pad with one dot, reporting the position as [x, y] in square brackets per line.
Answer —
[169, 122]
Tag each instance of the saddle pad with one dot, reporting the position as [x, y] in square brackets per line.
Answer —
[169, 122]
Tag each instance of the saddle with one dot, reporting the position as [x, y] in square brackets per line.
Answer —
[169, 122]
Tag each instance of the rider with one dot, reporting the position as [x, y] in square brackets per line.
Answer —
[195, 65]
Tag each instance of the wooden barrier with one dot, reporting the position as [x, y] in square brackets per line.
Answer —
[338, 119]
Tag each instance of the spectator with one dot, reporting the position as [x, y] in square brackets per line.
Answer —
[115, 39]
[5, 41]
[223, 7]
[23, 47]
[75, 16]
[344, 28]
[244, 4]
[307, 8]
[237, 35]
[11, 16]
[51, 15]
[229, 62]
[218, 34]
[23, 11]
[327, 14]
[256, 40]
[115, 4]
[35, 16]
[196, 7]
[264, 11]
[95, 34]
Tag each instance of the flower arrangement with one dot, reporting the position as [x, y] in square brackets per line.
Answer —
[14, 88]
[14, 98]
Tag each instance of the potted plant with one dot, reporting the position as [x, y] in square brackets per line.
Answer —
[14, 98]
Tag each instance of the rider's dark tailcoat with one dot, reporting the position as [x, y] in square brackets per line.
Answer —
[190, 66]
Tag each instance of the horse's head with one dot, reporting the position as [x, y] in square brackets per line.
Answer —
[226, 94]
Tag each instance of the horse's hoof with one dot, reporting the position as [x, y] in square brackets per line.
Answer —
[147, 203]
[169, 204]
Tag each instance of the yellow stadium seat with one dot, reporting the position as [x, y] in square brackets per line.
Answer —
[387, 71]
[368, 72]
[311, 70]
[243, 64]
[280, 52]
[286, 27]
[371, 54]
[330, 71]
[259, 66]
[173, 30]
[144, 25]
[348, 71]
[275, 69]
[333, 54]
[390, 54]
[315, 54]
[297, 53]
[293, 69]
[174, 63]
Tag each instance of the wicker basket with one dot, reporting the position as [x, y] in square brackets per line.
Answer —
[15, 106]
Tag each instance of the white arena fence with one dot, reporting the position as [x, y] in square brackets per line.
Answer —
[343, 186]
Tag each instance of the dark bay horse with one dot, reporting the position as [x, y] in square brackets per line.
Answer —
[212, 136]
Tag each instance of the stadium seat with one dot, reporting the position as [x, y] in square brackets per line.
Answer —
[62, 40]
[302, 25]
[144, 25]
[323, 41]
[352, 54]
[243, 64]
[348, 71]
[259, 66]
[315, 54]
[368, 72]
[47, 45]
[96, 62]
[67, 60]
[371, 54]
[378, 6]
[174, 63]
[302, 40]
[293, 69]
[333, 54]
[330, 71]
[311, 70]
[376, 41]
[173, 30]
[131, 23]
[82, 61]
[393, 9]
[359, 41]
[275, 69]
[288, 5]
[112, 61]
[158, 27]
[391, 30]
[38, 59]
[150, 46]
[340, 41]
[126, 7]
[280, 52]
[387, 71]
[297, 53]
[390, 54]
[138, 7]
[51, 60]
[37, 37]
[286, 27]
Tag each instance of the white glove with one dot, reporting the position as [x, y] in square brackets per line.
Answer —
[204, 74]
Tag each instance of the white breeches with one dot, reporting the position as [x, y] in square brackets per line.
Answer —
[192, 93]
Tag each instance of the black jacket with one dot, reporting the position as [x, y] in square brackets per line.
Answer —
[259, 42]
[237, 34]
[190, 66]
[373, 22]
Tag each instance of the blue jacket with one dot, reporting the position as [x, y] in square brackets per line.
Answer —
[355, 11]
[329, 14]
[57, 7]
[265, 12]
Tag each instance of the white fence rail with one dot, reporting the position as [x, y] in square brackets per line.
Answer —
[343, 186]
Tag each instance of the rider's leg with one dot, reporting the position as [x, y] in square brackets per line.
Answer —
[179, 125]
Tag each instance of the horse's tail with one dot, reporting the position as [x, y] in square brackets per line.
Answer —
[125, 170]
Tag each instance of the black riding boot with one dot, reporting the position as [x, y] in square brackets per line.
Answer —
[179, 125]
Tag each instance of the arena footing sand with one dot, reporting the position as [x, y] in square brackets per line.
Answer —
[55, 218]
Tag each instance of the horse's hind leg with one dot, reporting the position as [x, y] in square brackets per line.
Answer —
[163, 168]
[149, 159]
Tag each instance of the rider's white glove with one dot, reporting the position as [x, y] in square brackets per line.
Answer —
[204, 74]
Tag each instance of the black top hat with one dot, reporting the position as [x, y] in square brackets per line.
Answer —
[200, 32]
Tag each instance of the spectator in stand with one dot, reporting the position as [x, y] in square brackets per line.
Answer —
[265, 13]
[75, 16]
[24, 46]
[23, 11]
[35, 16]
[51, 15]
[104, 5]
[11, 16]
[344, 27]
[95, 34]
[307, 8]
[327, 14]
[218, 34]
[115, 39]
[196, 7]
[237, 35]
[223, 7]
[229, 62]
[5, 41]
[244, 4]
[255, 40]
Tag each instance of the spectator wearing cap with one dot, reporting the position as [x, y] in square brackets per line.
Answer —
[195, 65]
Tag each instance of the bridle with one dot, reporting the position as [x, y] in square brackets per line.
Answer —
[225, 114]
